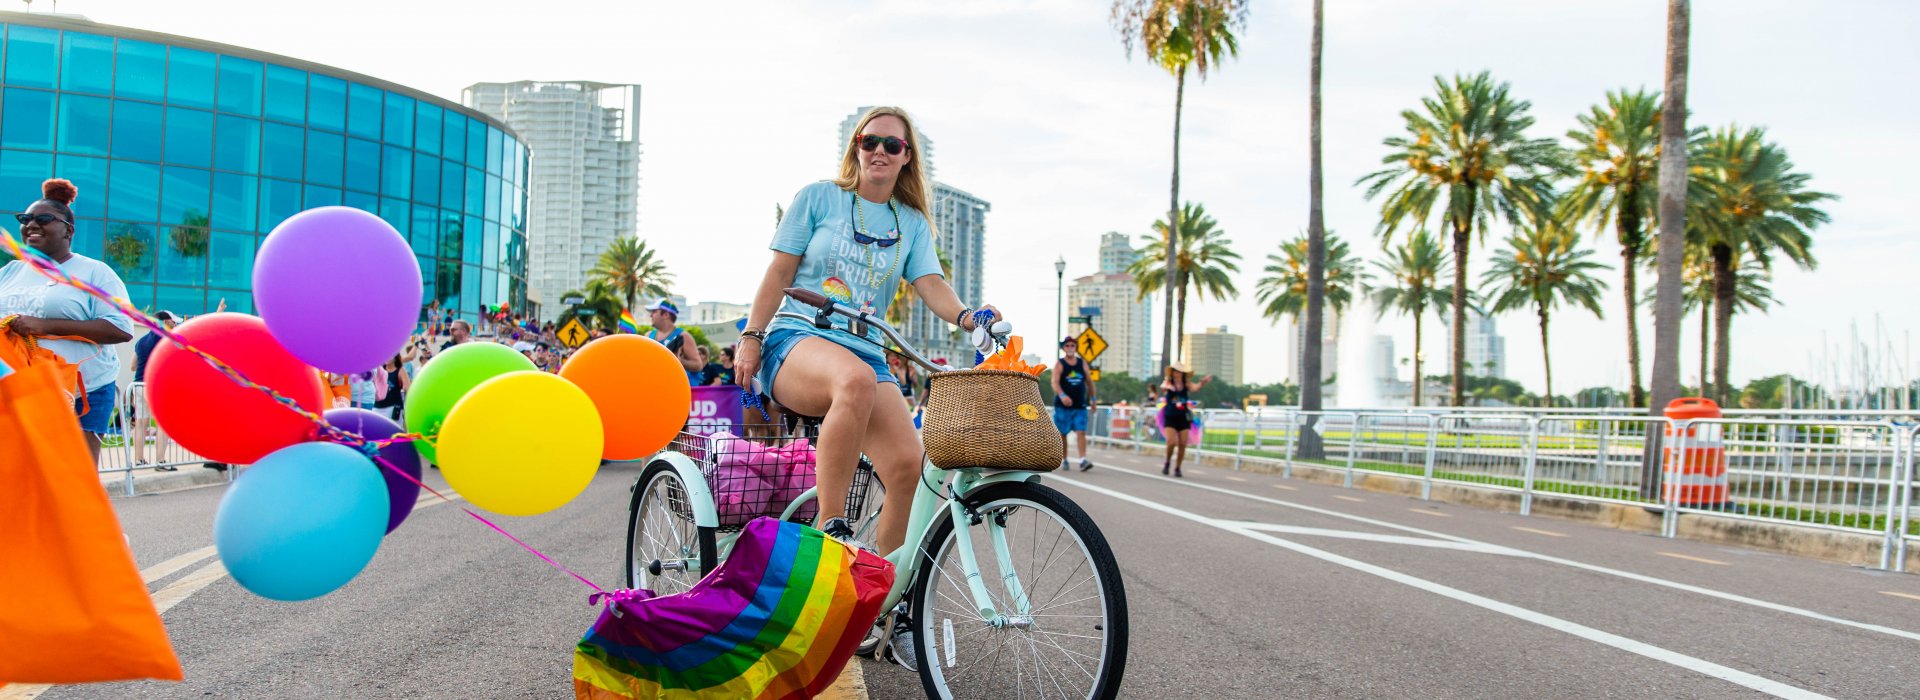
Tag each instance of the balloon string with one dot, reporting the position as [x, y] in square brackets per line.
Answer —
[389, 466]
[51, 270]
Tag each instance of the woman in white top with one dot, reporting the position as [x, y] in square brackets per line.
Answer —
[48, 310]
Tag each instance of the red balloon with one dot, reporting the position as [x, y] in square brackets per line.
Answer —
[217, 417]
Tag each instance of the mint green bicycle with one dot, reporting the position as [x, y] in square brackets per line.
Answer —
[1012, 591]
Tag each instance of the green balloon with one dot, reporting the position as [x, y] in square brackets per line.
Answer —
[447, 378]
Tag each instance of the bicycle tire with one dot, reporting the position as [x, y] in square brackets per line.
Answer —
[657, 482]
[1113, 623]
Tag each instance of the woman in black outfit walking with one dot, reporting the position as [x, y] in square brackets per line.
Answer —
[1177, 418]
[397, 384]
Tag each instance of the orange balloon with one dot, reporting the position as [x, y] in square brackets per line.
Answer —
[640, 389]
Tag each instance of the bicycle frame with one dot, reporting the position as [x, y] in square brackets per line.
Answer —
[928, 493]
[927, 508]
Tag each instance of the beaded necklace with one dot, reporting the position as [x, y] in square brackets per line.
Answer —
[860, 211]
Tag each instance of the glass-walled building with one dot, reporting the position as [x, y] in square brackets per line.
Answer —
[187, 152]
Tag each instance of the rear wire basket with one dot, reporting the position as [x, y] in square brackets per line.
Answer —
[759, 471]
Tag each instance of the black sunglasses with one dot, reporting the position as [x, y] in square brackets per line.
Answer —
[893, 144]
[864, 239]
[42, 218]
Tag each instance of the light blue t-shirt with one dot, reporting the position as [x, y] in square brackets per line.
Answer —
[26, 292]
[819, 228]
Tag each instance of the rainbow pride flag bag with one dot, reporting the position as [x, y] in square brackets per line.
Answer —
[778, 619]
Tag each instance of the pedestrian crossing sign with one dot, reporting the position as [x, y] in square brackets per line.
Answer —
[573, 334]
[1091, 344]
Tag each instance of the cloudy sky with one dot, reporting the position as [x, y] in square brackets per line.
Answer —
[1034, 106]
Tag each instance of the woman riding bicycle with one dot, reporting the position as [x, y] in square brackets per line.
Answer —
[852, 239]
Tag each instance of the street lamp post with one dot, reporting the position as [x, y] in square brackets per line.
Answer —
[1059, 296]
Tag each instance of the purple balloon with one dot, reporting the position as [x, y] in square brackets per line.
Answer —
[338, 287]
[401, 492]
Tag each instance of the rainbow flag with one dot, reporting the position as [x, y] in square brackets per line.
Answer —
[778, 619]
[627, 324]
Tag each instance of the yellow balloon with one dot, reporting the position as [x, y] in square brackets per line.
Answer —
[521, 443]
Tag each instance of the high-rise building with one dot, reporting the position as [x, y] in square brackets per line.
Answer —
[250, 138]
[1116, 253]
[1382, 359]
[1215, 352]
[1293, 339]
[1486, 348]
[925, 152]
[1111, 302]
[585, 182]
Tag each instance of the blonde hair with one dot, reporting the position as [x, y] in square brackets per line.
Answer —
[911, 186]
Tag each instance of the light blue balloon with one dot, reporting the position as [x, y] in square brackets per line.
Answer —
[302, 521]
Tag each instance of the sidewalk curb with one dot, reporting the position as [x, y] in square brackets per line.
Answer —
[160, 482]
[851, 685]
[1853, 549]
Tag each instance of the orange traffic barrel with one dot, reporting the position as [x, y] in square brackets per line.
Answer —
[1695, 455]
[1122, 425]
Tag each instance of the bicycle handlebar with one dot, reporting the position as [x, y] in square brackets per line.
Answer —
[829, 307]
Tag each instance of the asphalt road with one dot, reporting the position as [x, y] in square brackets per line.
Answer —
[1249, 586]
[1240, 585]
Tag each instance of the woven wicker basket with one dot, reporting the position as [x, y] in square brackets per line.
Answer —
[989, 418]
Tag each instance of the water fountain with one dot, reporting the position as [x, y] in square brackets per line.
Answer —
[1359, 383]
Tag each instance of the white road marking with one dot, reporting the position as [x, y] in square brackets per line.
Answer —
[166, 568]
[1372, 537]
[166, 598]
[1548, 533]
[430, 500]
[163, 600]
[1631, 576]
[1698, 559]
[1695, 664]
[22, 692]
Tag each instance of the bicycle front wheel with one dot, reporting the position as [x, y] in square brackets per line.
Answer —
[667, 552]
[1060, 628]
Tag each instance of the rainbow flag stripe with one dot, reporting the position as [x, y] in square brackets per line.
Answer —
[779, 619]
[627, 324]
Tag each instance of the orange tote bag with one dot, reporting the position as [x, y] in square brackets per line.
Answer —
[72, 605]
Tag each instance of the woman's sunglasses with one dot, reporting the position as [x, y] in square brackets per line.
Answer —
[43, 219]
[893, 144]
[864, 239]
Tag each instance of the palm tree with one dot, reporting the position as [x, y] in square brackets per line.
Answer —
[1543, 270]
[1468, 153]
[1752, 294]
[1284, 289]
[1665, 378]
[1759, 208]
[1203, 259]
[1414, 270]
[600, 298]
[632, 270]
[1617, 159]
[1177, 35]
[1310, 359]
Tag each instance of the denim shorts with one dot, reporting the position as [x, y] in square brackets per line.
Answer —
[780, 341]
[99, 409]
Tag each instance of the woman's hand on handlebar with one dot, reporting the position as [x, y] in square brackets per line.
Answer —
[989, 308]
